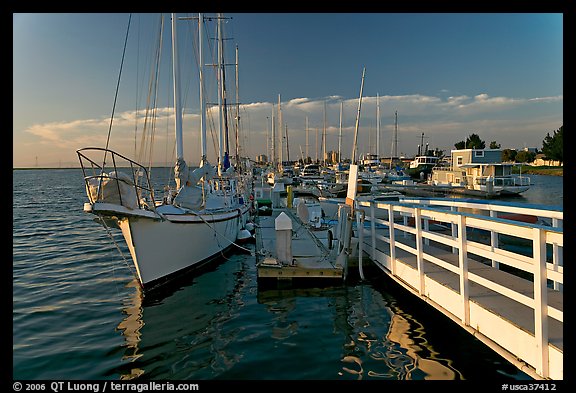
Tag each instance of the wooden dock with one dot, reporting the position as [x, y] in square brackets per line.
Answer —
[513, 302]
[313, 261]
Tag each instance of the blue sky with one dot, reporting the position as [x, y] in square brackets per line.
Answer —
[448, 75]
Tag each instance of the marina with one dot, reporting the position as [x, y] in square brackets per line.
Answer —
[86, 303]
[165, 230]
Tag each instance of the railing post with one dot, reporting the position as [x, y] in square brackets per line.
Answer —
[392, 237]
[360, 226]
[540, 301]
[405, 221]
[340, 226]
[454, 228]
[426, 228]
[557, 257]
[494, 240]
[463, 265]
[419, 251]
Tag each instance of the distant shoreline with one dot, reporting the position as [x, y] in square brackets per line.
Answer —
[28, 169]
[540, 170]
[69, 167]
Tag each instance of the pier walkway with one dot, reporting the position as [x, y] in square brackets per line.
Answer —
[494, 268]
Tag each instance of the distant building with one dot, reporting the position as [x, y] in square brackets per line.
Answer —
[394, 161]
[334, 157]
[541, 160]
[531, 149]
[262, 159]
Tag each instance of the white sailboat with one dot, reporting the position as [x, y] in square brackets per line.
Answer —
[198, 218]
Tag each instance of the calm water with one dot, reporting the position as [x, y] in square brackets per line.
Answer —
[79, 314]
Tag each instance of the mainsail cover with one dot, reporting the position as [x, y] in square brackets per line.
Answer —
[190, 194]
[115, 187]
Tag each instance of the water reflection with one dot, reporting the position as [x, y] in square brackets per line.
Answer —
[221, 325]
[130, 329]
[376, 339]
[409, 335]
[182, 333]
[393, 344]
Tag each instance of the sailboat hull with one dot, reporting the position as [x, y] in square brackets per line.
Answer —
[162, 249]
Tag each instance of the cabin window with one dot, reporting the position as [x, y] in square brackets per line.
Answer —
[478, 153]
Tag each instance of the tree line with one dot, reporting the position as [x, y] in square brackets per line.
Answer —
[552, 148]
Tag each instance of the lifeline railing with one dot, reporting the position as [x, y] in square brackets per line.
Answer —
[97, 173]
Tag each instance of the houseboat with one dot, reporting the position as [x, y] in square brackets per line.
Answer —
[480, 170]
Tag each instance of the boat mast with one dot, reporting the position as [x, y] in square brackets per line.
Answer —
[225, 110]
[202, 104]
[280, 130]
[353, 161]
[237, 114]
[220, 93]
[287, 145]
[378, 127]
[340, 135]
[268, 155]
[307, 139]
[223, 128]
[324, 137]
[317, 161]
[177, 104]
[394, 151]
[274, 163]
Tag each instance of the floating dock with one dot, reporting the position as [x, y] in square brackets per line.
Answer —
[291, 251]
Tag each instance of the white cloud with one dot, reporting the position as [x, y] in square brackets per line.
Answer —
[443, 120]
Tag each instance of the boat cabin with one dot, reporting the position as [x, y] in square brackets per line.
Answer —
[480, 169]
[310, 170]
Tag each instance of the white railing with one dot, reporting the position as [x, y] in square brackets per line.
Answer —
[504, 181]
[538, 228]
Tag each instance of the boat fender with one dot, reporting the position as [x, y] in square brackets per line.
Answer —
[330, 239]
